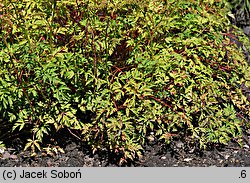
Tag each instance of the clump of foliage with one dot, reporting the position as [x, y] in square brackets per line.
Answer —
[110, 72]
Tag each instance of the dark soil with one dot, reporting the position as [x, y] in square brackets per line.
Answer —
[156, 154]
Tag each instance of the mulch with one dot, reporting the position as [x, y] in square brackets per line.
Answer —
[156, 154]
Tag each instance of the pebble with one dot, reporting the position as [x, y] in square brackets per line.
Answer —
[179, 144]
[188, 159]
[163, 157]
[6, 155]
[191, 150]
[49, 163]
[11, 149]
[246, 146]
[13, 156]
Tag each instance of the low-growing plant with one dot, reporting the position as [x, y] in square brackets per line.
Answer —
[111, 72]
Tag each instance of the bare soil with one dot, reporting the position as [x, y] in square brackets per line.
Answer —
[156, 154]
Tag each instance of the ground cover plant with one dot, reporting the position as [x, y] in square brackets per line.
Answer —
[114, 72]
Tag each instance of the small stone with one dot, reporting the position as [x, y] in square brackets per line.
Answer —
[49, 163]
[179, 144]
[192, 150]
[188, 159]
[11, 149]
[246, 146]
[13, 156]
[163, 157]
[6, 155]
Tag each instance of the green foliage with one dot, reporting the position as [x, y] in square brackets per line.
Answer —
[161, 66]
[2, 146]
